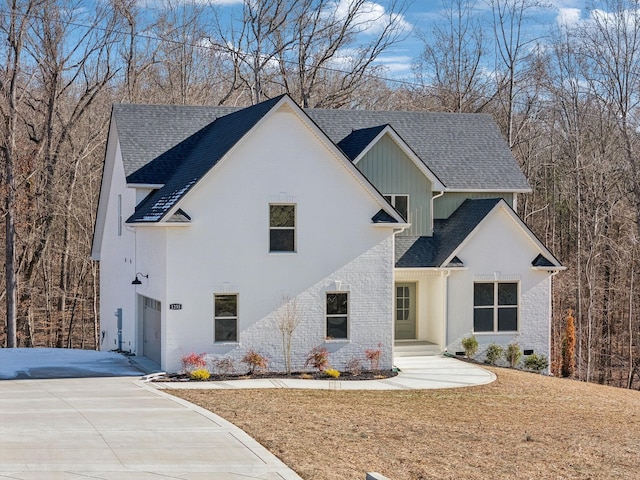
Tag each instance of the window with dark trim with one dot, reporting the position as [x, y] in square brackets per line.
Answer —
[282, 228]
[337, 315]
[400, 203]
[225, 317]
[495, 307]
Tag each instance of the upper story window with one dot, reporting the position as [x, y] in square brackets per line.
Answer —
[400, 203]
[282, 228]
[495, 307]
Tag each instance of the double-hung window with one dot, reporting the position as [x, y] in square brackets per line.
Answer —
[400, 203]
[225, 318]
[337, 315]
[495, 307]
[282, 228]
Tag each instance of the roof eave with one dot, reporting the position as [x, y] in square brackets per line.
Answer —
[555, 268]
[403, 226]
[492, 190]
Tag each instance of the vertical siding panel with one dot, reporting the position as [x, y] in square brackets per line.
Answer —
[392, 172]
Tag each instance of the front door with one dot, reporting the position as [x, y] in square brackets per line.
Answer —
[405, 311]
[151, 330]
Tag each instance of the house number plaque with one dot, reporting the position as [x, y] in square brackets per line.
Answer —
[175, 306]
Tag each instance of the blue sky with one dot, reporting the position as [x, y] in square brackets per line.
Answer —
[422, 15]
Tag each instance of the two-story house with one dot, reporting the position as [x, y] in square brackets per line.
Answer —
[380, 228]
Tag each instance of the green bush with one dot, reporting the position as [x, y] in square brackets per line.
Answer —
[470, 345]
[494, 353]
[199, 374]
[535, 362]
[513, 354]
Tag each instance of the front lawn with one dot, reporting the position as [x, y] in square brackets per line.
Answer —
[523, 426]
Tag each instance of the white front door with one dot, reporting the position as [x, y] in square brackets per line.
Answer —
[405, 311]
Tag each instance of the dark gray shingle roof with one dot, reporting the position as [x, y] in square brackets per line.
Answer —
[465, 151]
[542, 261]
[150, 132]
[420, 252]
[354, 143]
[212, 143]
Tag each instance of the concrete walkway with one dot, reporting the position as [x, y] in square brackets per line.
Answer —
[120, 428]
[415, 373]
[123, 428]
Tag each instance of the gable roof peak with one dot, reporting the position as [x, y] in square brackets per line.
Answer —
[197, 155]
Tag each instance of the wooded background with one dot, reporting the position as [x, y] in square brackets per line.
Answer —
[565, 96]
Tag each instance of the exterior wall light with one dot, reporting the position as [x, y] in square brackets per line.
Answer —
[137, 281]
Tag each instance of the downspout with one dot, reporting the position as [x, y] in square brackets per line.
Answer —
[432, 213]
[445, 311]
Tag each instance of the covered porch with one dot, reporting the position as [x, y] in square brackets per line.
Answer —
[420, 312]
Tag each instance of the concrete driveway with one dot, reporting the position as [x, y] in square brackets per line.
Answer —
[120, 428]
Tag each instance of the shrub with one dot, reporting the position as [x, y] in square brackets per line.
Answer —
[255, 361]
[199, 374]
[373, 356]
[569, 347]
[470, 345]
[223, 366]
[354, 366]
[318, 357]
[193, 361]
[332, 372]
[535, 362]
[513, 354]
[494, 353]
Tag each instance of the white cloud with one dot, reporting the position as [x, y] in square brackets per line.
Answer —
[371, 17]
[568, 17]
[397, 65]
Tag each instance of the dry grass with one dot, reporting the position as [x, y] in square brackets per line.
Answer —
[523, 426]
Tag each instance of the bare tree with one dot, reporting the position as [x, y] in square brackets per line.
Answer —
[288, 318]
[15, 25]
[513, 46]
[450, 67]
[318, 51]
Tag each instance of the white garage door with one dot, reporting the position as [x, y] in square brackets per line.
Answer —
[151, 328]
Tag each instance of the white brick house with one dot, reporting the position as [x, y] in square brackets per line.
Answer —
[209, 216]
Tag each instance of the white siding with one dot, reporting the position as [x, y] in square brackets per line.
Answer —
[500, 251]
[225, 249]
[117, 265]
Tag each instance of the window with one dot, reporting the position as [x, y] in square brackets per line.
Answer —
[282, 228]
[400, 203]
[495, 307]
[225, 318]
[337, 315]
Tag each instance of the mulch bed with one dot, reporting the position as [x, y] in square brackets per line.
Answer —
[365, 375]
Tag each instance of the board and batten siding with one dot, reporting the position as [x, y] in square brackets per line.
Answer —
[393, 173]
[445, 205]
